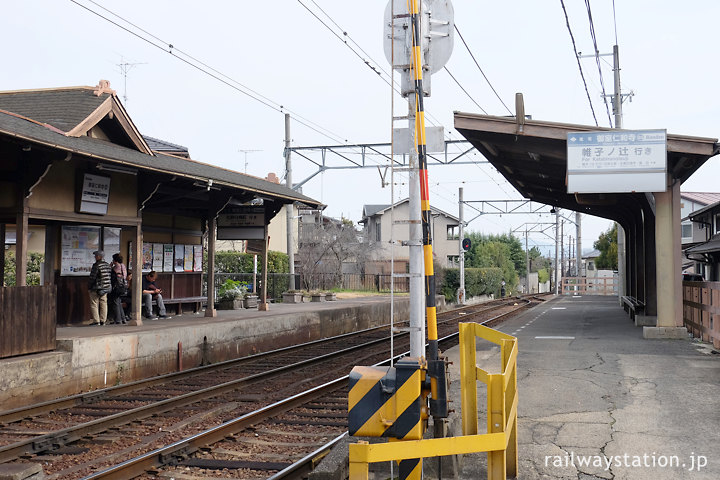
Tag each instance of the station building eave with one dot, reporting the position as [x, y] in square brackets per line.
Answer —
[532, 156]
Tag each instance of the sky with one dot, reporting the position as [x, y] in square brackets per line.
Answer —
[281, 51]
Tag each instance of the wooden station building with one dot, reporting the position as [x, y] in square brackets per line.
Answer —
[76, 169]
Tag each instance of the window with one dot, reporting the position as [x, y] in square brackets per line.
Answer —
[717, 223]
[453, 232]
[453, 261]
[378, 233]
[687, 230]
[591, 265]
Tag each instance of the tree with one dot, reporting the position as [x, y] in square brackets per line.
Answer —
[606, 244]
[324, 247]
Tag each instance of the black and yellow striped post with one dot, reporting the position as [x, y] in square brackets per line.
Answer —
[388, 401]
[438, 402]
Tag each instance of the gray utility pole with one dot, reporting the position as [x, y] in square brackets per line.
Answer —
[289, 207]
[617, 110]
[578, 250]
[415, 243]
[562, 249]
[557, 253]
[461, 290]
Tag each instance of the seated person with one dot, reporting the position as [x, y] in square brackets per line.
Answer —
[150, 291]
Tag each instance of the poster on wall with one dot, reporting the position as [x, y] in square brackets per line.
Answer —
[168, 257]
[111, 242]
[147, 257]
[189, 257]
[77, 246]
[198, 258]
[158, 257]
[179, 258]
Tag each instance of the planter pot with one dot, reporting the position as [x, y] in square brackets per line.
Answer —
[319, 297]
[236, 304]
[292, 297]
[251, 301]
[330, 297]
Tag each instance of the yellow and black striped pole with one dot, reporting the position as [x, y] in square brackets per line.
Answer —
[430, 307]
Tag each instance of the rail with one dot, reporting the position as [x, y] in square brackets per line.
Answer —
[501, 440]
[701, 310]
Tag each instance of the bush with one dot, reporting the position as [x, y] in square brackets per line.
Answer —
[231, 290]
[478, 281]
[33, 268]
[239, 262]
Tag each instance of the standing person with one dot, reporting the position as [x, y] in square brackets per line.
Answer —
[119, 288]
[99, 286]
[127, 298]
[151, 291]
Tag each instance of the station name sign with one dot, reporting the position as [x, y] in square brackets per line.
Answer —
[241, 223]
[95, 194]
[621, 161]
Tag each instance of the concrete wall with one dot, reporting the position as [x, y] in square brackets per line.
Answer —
[88, 363]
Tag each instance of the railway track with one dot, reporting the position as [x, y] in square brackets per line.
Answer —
[213, 421]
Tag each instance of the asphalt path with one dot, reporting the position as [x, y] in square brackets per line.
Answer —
[597, 401]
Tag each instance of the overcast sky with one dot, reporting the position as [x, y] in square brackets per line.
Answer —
[280, 50]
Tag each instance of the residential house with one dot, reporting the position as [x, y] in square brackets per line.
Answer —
[705, 253]
[377, 228]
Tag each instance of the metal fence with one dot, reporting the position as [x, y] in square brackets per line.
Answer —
[277, 282]
[353, 281]
[280, 282]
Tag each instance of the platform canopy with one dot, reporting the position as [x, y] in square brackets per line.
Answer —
[532, 156]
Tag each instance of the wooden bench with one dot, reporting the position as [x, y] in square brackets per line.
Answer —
[633, 306]
[197, 302]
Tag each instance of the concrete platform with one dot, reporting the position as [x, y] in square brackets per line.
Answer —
[592, 389]
[90, 357]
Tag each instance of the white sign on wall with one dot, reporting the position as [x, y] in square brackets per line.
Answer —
[621, 161]
[95, 194]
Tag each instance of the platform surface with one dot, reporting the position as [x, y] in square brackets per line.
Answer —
[593, 390]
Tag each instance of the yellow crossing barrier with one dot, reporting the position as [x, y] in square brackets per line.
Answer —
[501, 440]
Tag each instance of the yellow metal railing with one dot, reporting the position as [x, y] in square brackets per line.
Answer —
[500, 441]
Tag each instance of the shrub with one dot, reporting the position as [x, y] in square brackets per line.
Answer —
[239, 262]
[478, 281]
[33, 268]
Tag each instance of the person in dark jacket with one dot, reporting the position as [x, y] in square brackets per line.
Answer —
[119, 288]
[99, 286]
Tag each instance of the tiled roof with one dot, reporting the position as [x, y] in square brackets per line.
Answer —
[158, 145]
[370, 210]
[703, 198]
[12, 126]
[63, 108]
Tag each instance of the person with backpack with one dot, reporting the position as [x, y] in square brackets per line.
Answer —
[119, 288]
[99, 285]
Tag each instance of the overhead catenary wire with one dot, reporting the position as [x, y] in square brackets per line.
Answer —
[481, 70]
[577, 58]
[208, 70]
[465, 91]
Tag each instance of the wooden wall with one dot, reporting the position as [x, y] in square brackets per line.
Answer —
[74, 304]
[27, 320]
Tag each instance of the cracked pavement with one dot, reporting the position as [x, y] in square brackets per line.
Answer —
[605, 404]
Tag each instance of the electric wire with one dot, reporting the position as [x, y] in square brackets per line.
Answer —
[208, 70]
[577, 57]
[481, 70]
[465, 91]
[597, 60]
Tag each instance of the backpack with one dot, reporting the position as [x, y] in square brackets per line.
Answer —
[119, 284]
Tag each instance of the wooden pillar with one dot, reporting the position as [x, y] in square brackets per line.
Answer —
[21, 241]
[51, 243]
[263, 306]
[212, 223]
[650, 275]
[136, 267]
[2, 255]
